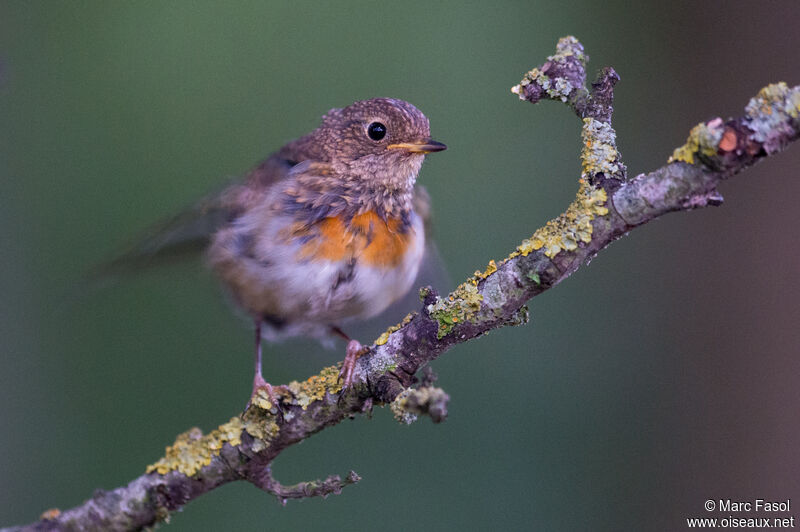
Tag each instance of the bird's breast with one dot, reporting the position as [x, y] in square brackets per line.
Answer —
[360, 264]
[365, 238]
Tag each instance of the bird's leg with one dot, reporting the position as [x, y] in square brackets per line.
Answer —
[354, 350]
[258, 379]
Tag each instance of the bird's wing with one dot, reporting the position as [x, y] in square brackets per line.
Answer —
[189, 232]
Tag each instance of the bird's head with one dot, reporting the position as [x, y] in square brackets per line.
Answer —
[379, 141]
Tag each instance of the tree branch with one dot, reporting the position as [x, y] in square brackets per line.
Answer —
[606, 207]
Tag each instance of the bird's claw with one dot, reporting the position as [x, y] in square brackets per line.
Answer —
[354, 351]
[257, 399]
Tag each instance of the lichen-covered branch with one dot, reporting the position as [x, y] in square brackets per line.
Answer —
[607, 205]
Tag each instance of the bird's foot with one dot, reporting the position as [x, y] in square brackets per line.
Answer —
[263, 395]
[354, 350]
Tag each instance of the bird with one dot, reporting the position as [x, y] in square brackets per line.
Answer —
[327, 230]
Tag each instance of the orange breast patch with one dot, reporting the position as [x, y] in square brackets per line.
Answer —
[366, 237]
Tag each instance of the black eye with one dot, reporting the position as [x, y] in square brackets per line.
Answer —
[376, 131]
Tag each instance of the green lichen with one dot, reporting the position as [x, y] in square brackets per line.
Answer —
[460, 306]
[703, 141]
[384, 337]
[770, 111]
[571, 227]
[424, 292]
[520, 317]
[599, 154]
[556, 88]
[192, 450]
[533, 276]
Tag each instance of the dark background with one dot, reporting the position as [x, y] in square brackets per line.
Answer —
[662, 375]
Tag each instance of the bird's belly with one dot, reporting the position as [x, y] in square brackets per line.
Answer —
[305, 281]
[329, 292]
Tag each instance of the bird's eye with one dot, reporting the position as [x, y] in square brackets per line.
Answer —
[376, 131]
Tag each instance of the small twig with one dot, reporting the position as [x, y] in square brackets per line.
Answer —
[302, 490]
[425, 400]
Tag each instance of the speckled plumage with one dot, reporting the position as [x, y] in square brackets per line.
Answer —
[325, 230]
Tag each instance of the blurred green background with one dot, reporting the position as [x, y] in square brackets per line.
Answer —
[662, 375]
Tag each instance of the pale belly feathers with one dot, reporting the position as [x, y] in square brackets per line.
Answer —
[268, 275]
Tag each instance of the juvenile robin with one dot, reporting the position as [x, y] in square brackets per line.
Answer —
[324, 231]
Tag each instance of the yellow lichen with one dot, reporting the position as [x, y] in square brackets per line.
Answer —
[599, 152]
[481, 275]
[50, 514]
[703, 140]
[315, 387]
[192, 450]
[572, 227]
[262, 426]
[384, 337]
[399, 408]
[300, 393]
[261, 399]
[461, 305]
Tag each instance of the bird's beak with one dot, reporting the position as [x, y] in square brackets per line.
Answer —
[419, 146]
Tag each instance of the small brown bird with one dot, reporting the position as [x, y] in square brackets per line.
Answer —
[325, 230]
